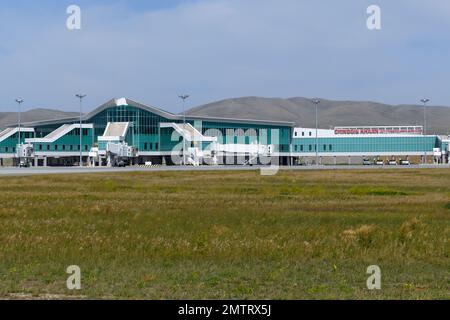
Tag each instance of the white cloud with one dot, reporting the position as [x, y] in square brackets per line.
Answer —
[225, 48]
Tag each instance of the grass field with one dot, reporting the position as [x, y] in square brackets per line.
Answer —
[237, 235]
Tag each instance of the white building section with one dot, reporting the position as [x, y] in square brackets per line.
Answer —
[8, 132]
[25, 150]
[188, 132]
[346, 132]
[380, 141]
[121, 102]
[311, 133]
[115, 131]
[58, 133]
[244, 149]
[369, 130]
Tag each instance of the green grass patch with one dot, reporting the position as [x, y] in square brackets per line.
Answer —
[226, 235]
[377, 191]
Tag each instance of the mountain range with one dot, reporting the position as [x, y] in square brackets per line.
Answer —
[330, 113]
[11, 118]
[299, 110]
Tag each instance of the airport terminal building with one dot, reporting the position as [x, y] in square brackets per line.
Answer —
[126, 132]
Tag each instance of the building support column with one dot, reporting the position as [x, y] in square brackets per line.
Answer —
[349, 160]
[35, 161]
[45, 161]
[335, 160]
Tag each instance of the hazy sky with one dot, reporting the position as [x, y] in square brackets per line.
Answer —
[152, 50]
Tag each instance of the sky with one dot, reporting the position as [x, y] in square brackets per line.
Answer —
[153, 50]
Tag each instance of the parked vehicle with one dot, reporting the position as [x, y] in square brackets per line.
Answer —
[405, 163]
[23, 164]
[121, 164]
[392, 162]
[379, 162]
[366, 162]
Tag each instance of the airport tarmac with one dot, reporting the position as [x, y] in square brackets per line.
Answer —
[14, 171]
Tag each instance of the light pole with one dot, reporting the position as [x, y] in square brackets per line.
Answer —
[425, 101]
[184, 97]
[19, 101]
[316, 103]
[81, 96]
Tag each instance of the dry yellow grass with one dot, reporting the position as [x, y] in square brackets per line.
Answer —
[227, 234]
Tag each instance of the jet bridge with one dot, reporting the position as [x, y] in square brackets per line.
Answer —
[113, 146]
[194, 155]
[214, 149]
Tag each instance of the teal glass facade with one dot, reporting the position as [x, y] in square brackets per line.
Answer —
[367, 144]
[146, 135]
[241, 133]
[8, 146]
[144, 132]
[69, 142]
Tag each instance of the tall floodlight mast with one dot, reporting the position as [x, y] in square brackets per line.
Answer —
[316, 103]
[81, 97]
[425, 101]
[184, 97]
[19, 102]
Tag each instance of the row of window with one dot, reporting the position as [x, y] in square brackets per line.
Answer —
[6, 149]
[62, 147]
[76, 132]
[369, 140]
[23, 134]
[151, 145]
[41, 132]
[311, 147]
[303, 133]
[144, 122]
[365, 147]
